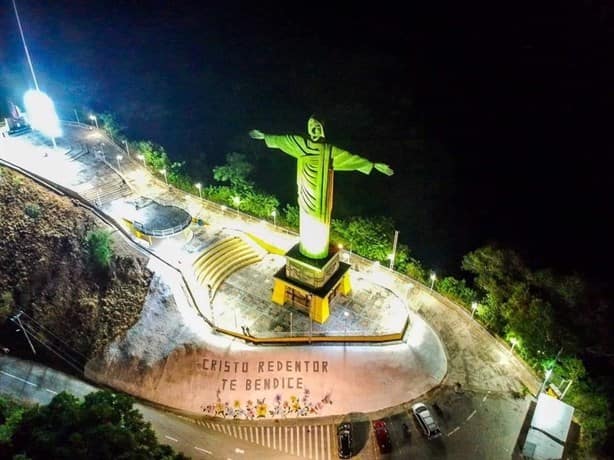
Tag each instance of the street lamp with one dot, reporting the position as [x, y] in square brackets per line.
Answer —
[93, 117]
[548, 374]
[514, 342]
[274, 215]
[199, 186]
[119, 158]
[394, 249]
[433, 277]
[163, 171]
[236, 201]
[345, 315]
[142, 158]
[474, 307]
[127, 147]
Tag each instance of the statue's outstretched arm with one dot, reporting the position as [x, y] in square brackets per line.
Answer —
[346, 161]
[288, 143]
[384, 168]
[255, 134]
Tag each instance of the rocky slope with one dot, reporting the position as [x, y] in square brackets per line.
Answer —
[45, 271]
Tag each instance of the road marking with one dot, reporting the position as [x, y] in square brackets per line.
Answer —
[19, 378]
[309, 436]
[328, 439]
[171, 438]
[203, 450]
[286, 439]
[471, 415]
[51, 391]
[302, 442]
[453, 431]
[321, 447]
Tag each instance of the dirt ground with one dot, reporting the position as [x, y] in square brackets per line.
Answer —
[46, 272]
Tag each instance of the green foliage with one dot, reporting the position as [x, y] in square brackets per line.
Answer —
[236, 171]
[414, 270]
[489, 312]
[258, 204]
[497, 270]
[10, 417]
[110, 124]
[6, 305]
[219, 194]
[537, 308]
[371, 237]
[457, 290]
[33, 210]
[104, 425]
[402, 259]
[593, 413]
[100, 250]
[155, 156]
[291, 216]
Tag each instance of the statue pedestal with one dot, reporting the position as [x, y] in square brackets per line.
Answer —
[310, 284]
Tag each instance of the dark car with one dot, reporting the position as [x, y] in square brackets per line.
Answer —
[425, 419]
[344, 436]
[383, 436]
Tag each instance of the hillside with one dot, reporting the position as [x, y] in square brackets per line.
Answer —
[46, 272]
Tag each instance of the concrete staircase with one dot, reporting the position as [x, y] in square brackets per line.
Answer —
[222, 259]
[106, 192]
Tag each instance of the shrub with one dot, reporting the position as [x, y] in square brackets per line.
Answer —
[33, 210]
[457, 290]
[100, 251]
[6, 305]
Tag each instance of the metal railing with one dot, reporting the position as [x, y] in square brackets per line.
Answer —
[147, 230]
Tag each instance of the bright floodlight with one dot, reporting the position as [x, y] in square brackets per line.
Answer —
[41, 113]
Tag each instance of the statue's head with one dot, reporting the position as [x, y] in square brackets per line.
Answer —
[315, 129]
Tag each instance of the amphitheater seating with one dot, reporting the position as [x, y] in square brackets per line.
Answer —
[222, 259]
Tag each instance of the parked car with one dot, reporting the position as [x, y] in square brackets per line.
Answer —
[425, 420]
[344, 436]
[383, 436]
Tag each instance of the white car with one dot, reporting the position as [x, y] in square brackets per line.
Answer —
[426, 421]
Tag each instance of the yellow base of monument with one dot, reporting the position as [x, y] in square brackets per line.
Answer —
[316, 302]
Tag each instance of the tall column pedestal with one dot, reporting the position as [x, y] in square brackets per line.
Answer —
[310, 284]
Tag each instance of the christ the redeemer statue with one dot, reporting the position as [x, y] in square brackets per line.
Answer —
[316, 161]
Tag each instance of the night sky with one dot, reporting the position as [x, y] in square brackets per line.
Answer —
[496, 118]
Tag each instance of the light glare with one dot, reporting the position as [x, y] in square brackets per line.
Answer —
[41, 113]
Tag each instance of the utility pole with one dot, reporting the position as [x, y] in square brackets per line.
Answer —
[16, 318]
[566, 388]
[394, 249]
